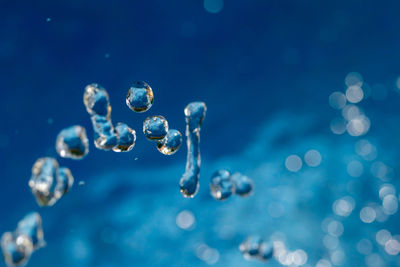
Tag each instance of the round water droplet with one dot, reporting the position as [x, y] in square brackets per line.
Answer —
[155, 127]
[170, 143]
[126, 138]
[72, 142]
[242, 185]
[140, 97]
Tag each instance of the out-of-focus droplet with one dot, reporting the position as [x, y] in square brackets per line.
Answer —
[266, 251]
[185, 220]
[367, 215]
[140, 97]
[221, 185]
[293, 163]
[242, 185]
[251, 247]
[337, 100]
[65, 180]
[312, 158]
[354, 94]
[31, 226]
[213, 6]
[17, 248]
[126, 138]
[43, 181]
[170, 144]
[155, 128]
[72, 142]
[49, 182]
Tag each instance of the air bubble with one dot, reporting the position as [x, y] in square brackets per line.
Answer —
[221, 185]
[170, 143]
[155, 127]
[127, 138]
[72, 142]
[49, 182]
[140, 97]
[194, 113]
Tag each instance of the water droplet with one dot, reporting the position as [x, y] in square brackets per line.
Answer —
[140, 97]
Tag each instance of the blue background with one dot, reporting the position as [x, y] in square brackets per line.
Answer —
[265, 70]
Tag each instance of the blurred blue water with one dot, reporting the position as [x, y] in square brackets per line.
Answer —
[265, 70]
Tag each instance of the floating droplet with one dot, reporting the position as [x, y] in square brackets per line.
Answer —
[266, 251]
[31, 226]
[189, 183]
[65, 180]
[140, 97]
[49, 182]
[155, 127]
[72, 142]
[126, 138]
[96, 100]
[221, 186]
[242, 185]
[170, 143]
[17, 248]
[105, 135]
[250, 248]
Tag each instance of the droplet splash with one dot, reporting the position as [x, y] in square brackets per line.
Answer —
[140, 97]
[155, 128]
[49, 182]
[170, 144]
[18, 246]
[72, 143]
[189, 183]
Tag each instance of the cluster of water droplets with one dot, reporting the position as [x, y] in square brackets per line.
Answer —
[119, 139]
[49, 182]
[223, 184]
[352, 119]
[19, 245]
[255, 248]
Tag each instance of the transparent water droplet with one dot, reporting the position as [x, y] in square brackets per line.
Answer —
[221, 185]
[72, 142]
[155, 127]
[140, 97]
[189, 183]
[170, 144]
[126, 138]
